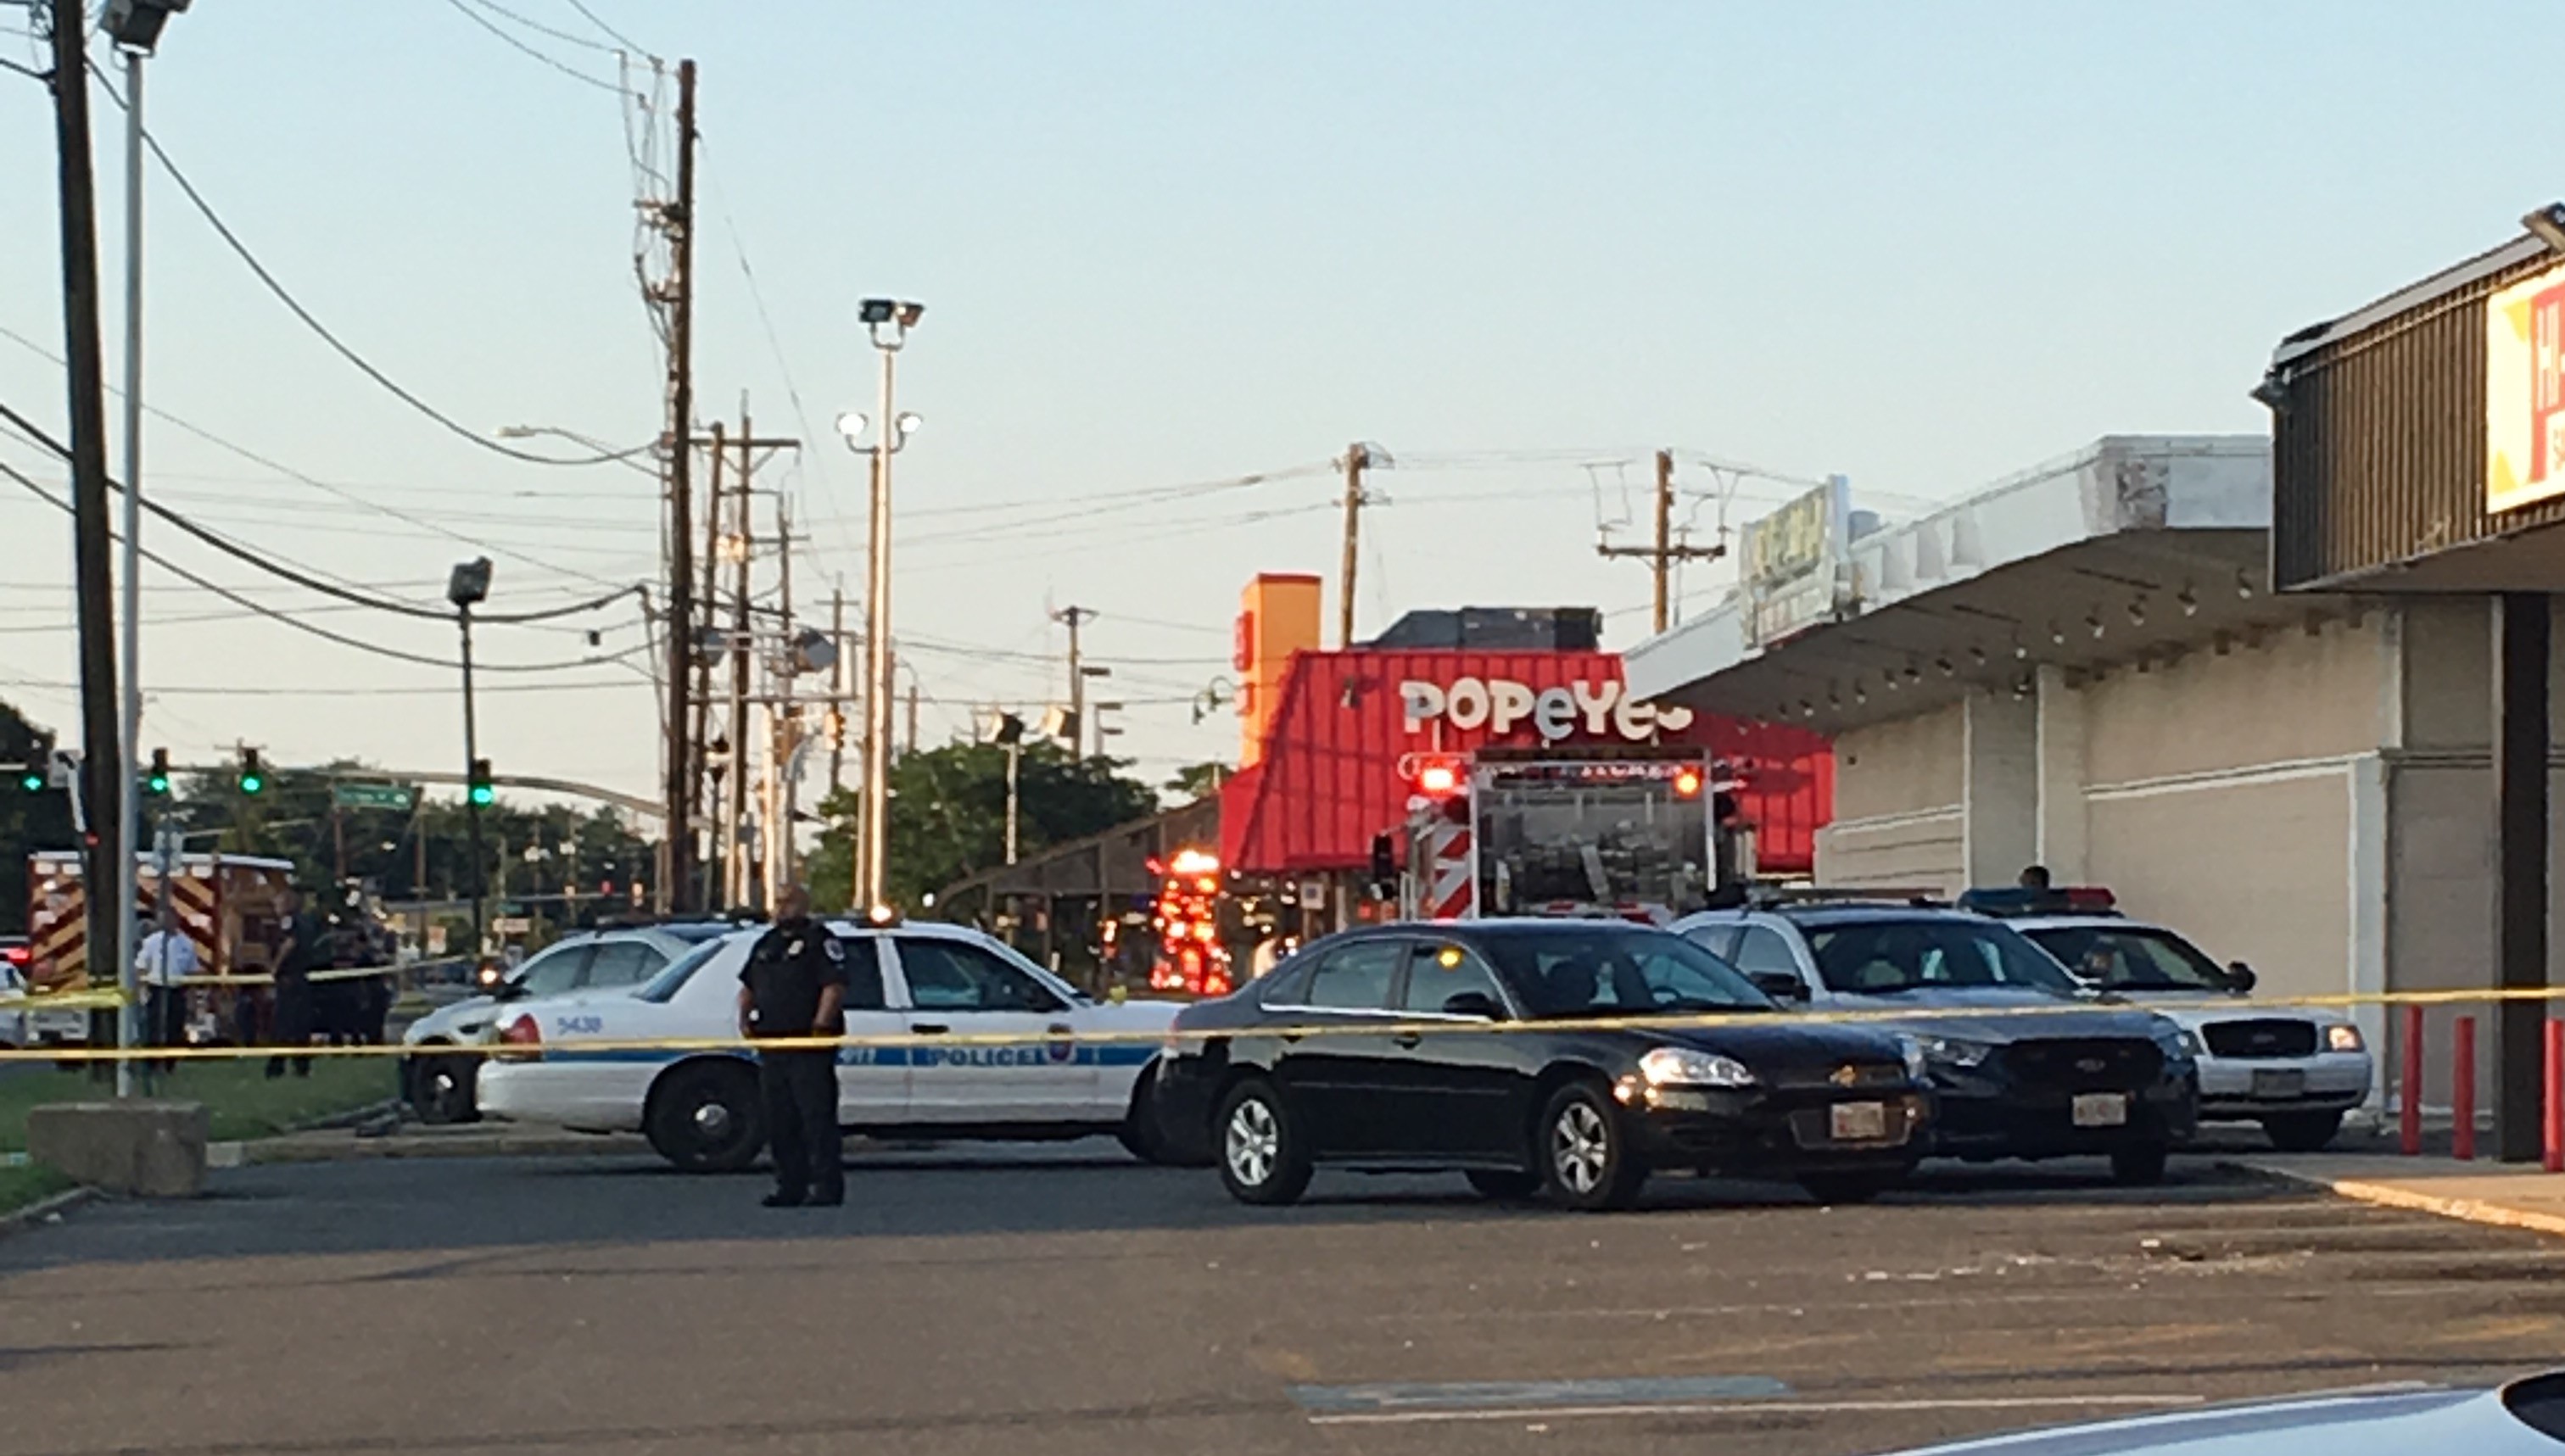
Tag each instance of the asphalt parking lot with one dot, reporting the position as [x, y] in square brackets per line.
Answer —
[983, 1301]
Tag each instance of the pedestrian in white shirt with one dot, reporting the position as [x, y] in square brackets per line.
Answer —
[163, 965]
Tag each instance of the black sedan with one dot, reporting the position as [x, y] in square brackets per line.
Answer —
[1487, 1047]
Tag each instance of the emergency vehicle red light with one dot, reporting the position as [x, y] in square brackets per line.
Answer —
[1687, 782]
[18, 954]
[2089, 896]
[1438, 779]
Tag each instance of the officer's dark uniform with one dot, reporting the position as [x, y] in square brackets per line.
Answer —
[787, 969]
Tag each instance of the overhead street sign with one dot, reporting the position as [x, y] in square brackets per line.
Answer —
[372, 795]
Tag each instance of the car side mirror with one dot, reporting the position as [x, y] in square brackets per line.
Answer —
[2240, 975]
[1474, 1003]
[1781, 985]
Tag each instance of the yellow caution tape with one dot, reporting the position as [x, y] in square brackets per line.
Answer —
[1370, 1026]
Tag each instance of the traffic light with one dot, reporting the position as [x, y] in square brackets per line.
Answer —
[31, 778]
[158, 780]
[253, 777]
[480, 790]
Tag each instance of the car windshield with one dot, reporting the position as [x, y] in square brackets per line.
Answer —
[1873, 957]
[1610, 972]
[665, 985]
[2131, 957]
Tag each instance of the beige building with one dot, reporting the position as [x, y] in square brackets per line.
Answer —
[2084, 667]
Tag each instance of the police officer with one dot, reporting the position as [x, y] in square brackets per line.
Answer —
[794, 986]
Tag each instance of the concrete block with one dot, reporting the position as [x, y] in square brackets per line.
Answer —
[145, 1149]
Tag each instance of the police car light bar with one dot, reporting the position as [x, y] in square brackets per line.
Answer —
[2063, 899]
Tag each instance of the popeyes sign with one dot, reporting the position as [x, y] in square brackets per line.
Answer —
[1501, 704]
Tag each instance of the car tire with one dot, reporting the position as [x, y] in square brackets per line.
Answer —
[1504, 1185]
[706, 1118]
[441, 1088]
[1586, 1160]
[1262, 1160]
[2301, 1131]
[1841, 1188]
[2140, 1164]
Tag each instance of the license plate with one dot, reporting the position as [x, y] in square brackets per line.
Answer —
[2280, 1084]
[1857, 1122]
[2101, 1110]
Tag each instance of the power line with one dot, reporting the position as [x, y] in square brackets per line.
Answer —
[315, 482]
[537, 26]
[309, 582]
[574, 73]
[322, 330]
[262, 609]
[611, 33]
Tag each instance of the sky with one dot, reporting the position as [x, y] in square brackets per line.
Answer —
[1167, 248]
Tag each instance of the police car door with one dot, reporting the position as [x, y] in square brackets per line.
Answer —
[872, 1081]
[994, 1044]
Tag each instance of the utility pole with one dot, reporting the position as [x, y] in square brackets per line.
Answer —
[735, 814]
[785, 728]
[1074, 618]
[912, 712]
[837, 693]
[677, 887]
[1357, 456]
[699, 733]
[102, 766]
[1663, 555]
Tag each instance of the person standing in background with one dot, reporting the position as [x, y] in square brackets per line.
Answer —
[305, 951]
[162, 963]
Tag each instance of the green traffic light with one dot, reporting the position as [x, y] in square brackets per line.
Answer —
[251, 784]
[32, 782]
[483, 794]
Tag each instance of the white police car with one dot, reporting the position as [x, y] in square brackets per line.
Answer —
[2295, 1070]
[1044, 1076]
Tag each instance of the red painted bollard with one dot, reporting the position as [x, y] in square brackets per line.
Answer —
[2462, 1095]
[2553, 1104]
[2410, 1116]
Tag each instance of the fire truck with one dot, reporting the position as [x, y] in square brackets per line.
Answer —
[1646, 833]
[1190, 955]
[230, 905]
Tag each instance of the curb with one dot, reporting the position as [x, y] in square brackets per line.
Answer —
[2389, 1195]
[273, 1152]
[44, 1210]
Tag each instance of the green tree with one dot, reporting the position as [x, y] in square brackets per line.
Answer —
[423, 853]
[948, 815]
[1199, 781]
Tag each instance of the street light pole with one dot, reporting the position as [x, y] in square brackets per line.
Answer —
[129, 729]
[888, 322]
[467, 585]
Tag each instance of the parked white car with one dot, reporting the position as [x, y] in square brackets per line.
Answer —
[2294, 1069]
[1046, 1076]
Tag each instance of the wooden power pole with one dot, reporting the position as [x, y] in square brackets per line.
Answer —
[1356, 458]
[1664, 554]
[101, 790]
[678, 889]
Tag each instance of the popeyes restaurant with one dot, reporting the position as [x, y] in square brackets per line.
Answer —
[1333, 744]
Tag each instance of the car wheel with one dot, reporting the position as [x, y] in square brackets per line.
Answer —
[2302, 1131]
[1140, 1135]
[706, 1118]
[1586, 1160]
[1850, 1187]
[1503, 1184]
[1260, 1156]
[2141, 1164]
[441, 1088]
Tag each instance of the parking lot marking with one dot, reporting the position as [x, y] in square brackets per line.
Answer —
[1754, 1407]
[1449, 1395]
